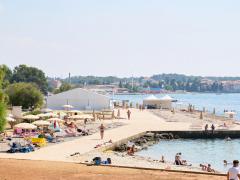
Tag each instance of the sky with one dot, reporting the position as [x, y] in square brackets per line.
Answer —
[122, 38]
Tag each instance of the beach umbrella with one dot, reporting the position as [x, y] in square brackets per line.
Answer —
[42, 115]
[25, 126]
[67, 107]
[46, 110]
[60, 113]
[47, 115]
[31, 117]
[41, 123]
[74, 111]
[10, 115]
[55, 120]
[10, 119]
[82, 116]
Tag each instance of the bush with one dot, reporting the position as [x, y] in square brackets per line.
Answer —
[3, 114]
[26, 95]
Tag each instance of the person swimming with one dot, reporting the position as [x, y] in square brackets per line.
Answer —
[226, 163]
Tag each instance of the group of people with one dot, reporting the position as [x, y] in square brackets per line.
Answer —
[207, 168]
[179, 161]
[212, 128]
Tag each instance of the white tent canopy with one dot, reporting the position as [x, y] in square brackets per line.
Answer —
[167, 98]
[158, 103]
[151, 98]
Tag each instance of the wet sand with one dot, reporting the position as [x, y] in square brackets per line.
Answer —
[28, 170]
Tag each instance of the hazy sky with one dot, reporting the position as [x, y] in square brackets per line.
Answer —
[124, 37]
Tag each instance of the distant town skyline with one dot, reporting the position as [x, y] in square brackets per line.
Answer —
[122, 38]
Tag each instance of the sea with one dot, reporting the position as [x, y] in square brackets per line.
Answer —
[212, 151]
[209, 101]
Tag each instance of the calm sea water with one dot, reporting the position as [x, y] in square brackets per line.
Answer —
[197, 151]
[207, 100]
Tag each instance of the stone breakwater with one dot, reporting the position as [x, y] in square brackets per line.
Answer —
[143, 142]
[151, 138]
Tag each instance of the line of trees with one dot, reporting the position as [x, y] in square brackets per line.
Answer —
[24, 86]
[166, 81]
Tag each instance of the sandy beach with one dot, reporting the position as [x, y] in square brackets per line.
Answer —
[42, 170]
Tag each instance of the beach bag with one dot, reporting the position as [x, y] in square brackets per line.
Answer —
[97, 160]
[109, 160]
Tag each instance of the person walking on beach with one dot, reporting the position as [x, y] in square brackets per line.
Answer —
[129, 114]
[234, 172]
[102, 128]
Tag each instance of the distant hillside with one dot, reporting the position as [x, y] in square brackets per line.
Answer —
[171, 82]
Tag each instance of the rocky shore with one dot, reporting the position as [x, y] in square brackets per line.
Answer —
[143, 142]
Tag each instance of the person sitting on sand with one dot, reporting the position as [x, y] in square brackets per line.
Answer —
[209, 169]
[131, 150]
[178, 161]
[162, 160]
[204, 167]
[234, 172]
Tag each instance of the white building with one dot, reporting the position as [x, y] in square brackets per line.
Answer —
[80, 99]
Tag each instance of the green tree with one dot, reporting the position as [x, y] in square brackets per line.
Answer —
[23, 73]
[64, 87]
[26, 95]
[120, 85]
[3, 111]
[6, 75]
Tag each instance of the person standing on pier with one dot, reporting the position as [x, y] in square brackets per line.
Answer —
[206, 127]
[213, 128]
[129, 114]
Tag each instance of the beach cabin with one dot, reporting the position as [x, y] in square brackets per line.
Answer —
[152, 102]
[80, 99]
